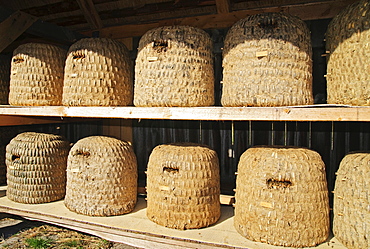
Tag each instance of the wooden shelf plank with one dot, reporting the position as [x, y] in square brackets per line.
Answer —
[307, 113]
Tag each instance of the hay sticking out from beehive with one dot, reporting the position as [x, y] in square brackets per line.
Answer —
[174, 67]
[98, 72]
[4, 78]
[348, 70]
[37, 75]
[101, 177]
[183, 186]
[36, 167]
[351, 223]
[267, 62]
[282, 197]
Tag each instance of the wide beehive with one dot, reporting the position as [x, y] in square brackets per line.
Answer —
[282, 197]
[183, 186]
[101, 177]
[267, 62]
[98, 72]
[4, 79]
[347, 41]
[351, 222]
[174, 67]
[36, 77]
[36, 167]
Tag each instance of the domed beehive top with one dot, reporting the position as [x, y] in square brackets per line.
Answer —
[267, 62]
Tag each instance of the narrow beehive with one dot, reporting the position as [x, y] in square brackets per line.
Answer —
[98, 72]
[183, 186]
[282, 197]
[174, 67]
[101, 177]
[267, 62]
[4, 79]
[347, 41]
[351, 222]
[36, 77]
[36, 167]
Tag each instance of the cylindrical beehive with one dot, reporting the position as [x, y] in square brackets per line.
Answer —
[183, 186]
[267, 62]
[4, 78]
[282, 197]
[348, 71]
[36, 167]
[98, 72]
[101, 177]
[36, 77]
[174, 67]
[351, 223]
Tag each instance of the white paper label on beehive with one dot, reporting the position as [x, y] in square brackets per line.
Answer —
[75, 170]
[152, 58]
[164, 188]
[260, 54]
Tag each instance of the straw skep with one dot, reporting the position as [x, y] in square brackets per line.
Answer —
[282, 197]
[36, 167]
[347, 42]
[183, 186]
[267, 62]
[174, 67]
[98, 72]
[4, 78]
[36, 77]
[351, 222]
[101, 177]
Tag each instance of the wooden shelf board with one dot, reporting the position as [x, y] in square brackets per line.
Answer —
[137, 230]
[295, 113]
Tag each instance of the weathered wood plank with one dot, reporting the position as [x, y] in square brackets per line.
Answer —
[90, 13]
[9, 120]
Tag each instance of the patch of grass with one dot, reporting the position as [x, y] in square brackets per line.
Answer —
[39, 243]
[72, 243]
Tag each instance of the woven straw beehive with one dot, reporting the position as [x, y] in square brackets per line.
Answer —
[36, 77]
[4, 79]
[174, 67]
[101, 177]
[351, 223]
[183, 186]
[267, 62]
[36, 167]
[348, 70]
[98, 72]
[282, 197]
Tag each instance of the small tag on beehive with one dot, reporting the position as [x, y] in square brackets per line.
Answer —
[75, 170]
[260, 54]
[152, 58]
[164, 188]
[266, 204]
[74, 75]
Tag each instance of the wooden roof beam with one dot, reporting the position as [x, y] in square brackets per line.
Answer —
[223, 6]
[90, 13]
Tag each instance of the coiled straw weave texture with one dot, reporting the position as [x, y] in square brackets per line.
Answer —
[348, 70]
[183, 186]
[98, 72]
[101, 177]
[174, 67]
[282, 197]
[36, 167]
[267, 62]
[351, 223]
[4, 79]
[37, 75]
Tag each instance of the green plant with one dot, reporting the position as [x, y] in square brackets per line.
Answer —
[39, 243]
[71, 243]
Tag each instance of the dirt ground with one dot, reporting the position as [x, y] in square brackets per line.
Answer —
[16, 233]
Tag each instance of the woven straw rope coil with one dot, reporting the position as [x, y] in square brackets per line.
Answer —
[183, 186]
[348, 65]
[98, 72]
[174, 67]
[267, 62]
[282, 197]
[36, 167]
[4, 79]
[101, 177]
[351, 223]
[36, 77]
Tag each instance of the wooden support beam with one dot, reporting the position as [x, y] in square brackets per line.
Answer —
[13, 26]
[223, 6]
[90, 13]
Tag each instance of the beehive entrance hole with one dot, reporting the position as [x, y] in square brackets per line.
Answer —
[82, 153]
[278, 184]
[78, 55]
[170, 170]
[160, 45]
[15, 157]
[17, 60]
